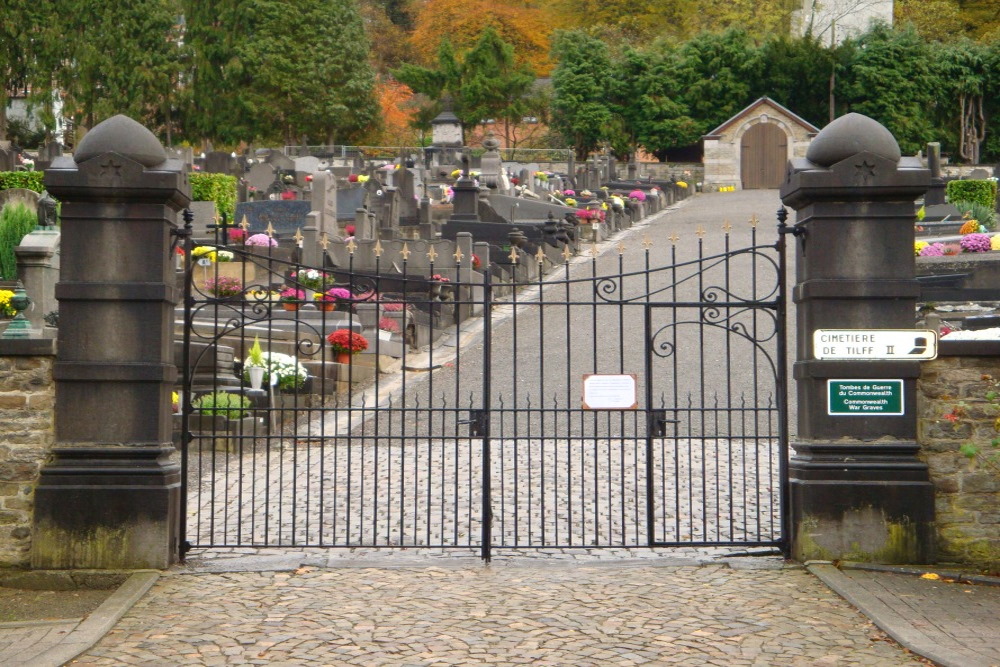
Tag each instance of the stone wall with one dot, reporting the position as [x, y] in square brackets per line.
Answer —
[27, 399]
[967, 492]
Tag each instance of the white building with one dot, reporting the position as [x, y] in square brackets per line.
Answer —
[833, 21]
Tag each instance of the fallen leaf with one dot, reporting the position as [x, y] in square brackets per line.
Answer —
[930, 575]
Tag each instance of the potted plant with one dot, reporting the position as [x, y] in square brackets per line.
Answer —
[345, 343]
[289, 373]
[224, 417]
[291, 298]
[254, 365]
[224, 287]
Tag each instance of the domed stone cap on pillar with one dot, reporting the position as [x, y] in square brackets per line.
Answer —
[120, 134]
[850, 135]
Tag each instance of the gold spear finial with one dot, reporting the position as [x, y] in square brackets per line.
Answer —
[351, 246]
[245, 224]
[458, 255]
[513, 254]
[567, 253]
[298, 236]
[754, 221]
[378, 248]
[621, 248]
[270, 230]
[646, 242]
[540, 255]
[324, 240]
[431, 254]
[405, 252]
[674, 238]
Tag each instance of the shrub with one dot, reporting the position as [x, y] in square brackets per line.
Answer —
[29, 180]
[15, 222]
[223, 404]
[979, 192]
[986, 216]
[220, 188]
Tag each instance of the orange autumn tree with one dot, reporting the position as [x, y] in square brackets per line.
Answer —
[398, 112]
[522, 24]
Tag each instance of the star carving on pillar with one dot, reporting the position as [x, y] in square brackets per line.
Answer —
[865, 173]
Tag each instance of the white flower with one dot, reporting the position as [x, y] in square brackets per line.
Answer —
[290, 373]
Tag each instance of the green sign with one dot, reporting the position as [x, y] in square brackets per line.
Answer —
[878, 398]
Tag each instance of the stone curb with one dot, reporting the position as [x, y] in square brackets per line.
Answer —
[957, 575]
[884, 616]
[98, 623]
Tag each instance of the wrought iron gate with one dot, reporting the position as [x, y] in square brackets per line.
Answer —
[470, 426]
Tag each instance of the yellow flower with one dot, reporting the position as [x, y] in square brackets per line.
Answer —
[970, 227]
[918, 246]
[204, 251]
[5, 308]
[681, 184]
[995, 242]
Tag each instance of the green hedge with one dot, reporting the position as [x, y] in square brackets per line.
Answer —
[29, 180]
[979, 192]
[220, 188]
[16, 220]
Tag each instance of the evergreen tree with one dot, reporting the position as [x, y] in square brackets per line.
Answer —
[493, 85]
[308, 63]
[582, 110]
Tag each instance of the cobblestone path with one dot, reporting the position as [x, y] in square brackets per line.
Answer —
[540, 613]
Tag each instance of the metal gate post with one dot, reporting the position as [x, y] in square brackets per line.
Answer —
[487, 511]
[184, 239]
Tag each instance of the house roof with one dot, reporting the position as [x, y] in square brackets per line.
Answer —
[749, 111]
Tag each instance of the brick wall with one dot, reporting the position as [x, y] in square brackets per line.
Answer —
[967, 492]
[27, 398]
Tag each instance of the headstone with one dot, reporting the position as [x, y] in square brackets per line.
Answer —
[28, 198]
[284, 216]
[491, 164]
[261, 176]
[8, 158]
[405, 181]
[979, 175]
[219, 162]
[349, 200]
[279, 160]
[307, 165]
[204, 215]
[324, 200]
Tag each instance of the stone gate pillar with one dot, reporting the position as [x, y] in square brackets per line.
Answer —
[858, 490]
[109, 496]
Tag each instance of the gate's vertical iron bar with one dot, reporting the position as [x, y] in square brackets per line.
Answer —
[569, 414]
[676, 402]
[183, 544]
[621, 369]
[754, 289]
[782, 386]
[435, 323]
[594, 413]
[404, 417]
[485, 425]
[541, 392]
[729, 399]
[650, 426]
[514, 399]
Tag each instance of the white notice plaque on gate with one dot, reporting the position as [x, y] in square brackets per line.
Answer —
[609, 392]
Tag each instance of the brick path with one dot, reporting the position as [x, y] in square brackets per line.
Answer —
[529, 612]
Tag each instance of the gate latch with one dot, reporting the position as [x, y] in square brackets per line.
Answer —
[476, 422]
[658, 423]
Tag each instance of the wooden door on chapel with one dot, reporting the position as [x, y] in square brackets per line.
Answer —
[763, 154]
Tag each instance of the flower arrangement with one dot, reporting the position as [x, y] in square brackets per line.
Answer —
[204, 252]
[569, 193]
[918, 246]
[393, 306]
[951, 248]
[236, 235]
[261, 240]
[310, 278]
[224, 286]
[338, 294]
[542, 176]
[969, 227]
[349, 230]
[569, 201]
[6, 310]
[976, 242]
[932, 250]
[255, 356]
[290, 373]
[388, 324]
[175, 401]
[637, 195]
[441, 279]
[223, 256]
[995, 242]
[586, 193]
[345, 341]
[292, 295]
[476, 262]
